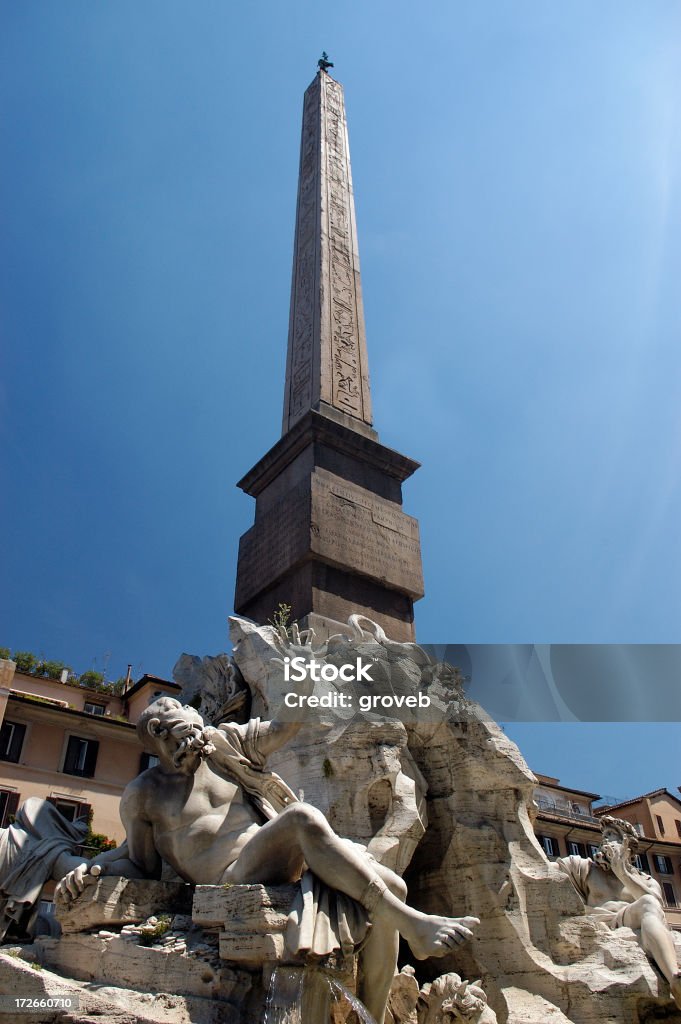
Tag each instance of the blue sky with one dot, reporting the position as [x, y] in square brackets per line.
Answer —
[516, 169]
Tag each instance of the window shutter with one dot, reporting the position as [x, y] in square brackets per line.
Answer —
[641, 862]
[11, 740]
[84, 812]
[71, 758]
[91, 758]
[74, 757]
[11, 808]
[669, 894]
[17, 742]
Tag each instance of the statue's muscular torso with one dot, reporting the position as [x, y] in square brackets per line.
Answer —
[199, 822]
[604, 886]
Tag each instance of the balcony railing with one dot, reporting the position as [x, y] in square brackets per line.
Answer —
[564, 811]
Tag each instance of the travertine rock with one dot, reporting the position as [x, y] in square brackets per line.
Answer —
[214, 686]
[353, 765]
[243, 908]
[116, 901]
[112, 999]
[539, 957]
[252, 919]
[124, 963]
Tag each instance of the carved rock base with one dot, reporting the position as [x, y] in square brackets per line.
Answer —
[115, 901]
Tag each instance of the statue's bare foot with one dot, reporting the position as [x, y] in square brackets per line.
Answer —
[437, 936]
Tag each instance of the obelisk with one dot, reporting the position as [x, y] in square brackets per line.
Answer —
[330, 537]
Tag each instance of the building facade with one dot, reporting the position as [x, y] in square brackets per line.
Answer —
[71, 745]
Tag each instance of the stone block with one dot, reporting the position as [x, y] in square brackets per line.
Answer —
[245, 909]
[113, 960]
[242, 948]
[116, 901]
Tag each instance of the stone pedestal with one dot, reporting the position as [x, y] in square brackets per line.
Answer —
[330, 538]
[168, 953]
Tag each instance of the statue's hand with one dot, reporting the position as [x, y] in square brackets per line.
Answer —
[72, 885]
[204, 742]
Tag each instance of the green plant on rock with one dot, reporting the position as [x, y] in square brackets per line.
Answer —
[4, 653]
[281, 619]
[150, 934]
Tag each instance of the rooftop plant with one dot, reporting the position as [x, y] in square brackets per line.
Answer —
[30, 664]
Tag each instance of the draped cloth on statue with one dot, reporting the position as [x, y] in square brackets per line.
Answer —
[322, 920]
[29, 849]
[577, 869]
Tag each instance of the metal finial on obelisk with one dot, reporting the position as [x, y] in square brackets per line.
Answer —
[326, 367]
[324, 63]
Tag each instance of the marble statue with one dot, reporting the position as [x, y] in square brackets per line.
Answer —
[213, 812]
[620, 895]
[449, 999]
[39, 845]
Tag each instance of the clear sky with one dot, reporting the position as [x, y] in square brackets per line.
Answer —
[516, 168]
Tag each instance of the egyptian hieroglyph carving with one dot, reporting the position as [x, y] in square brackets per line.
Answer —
[327, 359]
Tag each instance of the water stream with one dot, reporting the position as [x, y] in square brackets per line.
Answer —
[285, 997]
[302, 995]
[340, 990]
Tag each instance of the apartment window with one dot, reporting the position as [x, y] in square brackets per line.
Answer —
[641, 862]
[72, 810]
[9, 802]
[11, 741]
[147, 761]
[678, 826]
[576, 849]
[639, 827]
[660, 824]
[94, 709]
[550, 845]
[669, 894]
[663, 864]
[593, 850]
[81, 757]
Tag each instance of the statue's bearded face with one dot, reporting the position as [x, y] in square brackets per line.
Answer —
[175, 727]
[180, 719]
[612, 845]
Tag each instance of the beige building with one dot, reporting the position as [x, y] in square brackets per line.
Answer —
[565, 822]
[73, 746]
